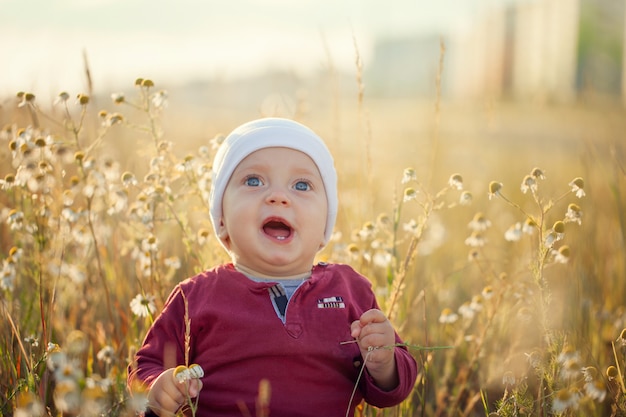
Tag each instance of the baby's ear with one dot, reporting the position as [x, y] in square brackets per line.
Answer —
[222, 234]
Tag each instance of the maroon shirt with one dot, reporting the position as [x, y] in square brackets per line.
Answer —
[238, 339]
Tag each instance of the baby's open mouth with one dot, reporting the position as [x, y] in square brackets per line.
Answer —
[278, 229]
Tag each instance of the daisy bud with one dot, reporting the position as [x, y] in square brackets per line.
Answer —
[63, 96]
[578, 185]
[79, 156]
[537, 173]
[456, 181]
[147, 83]
[612, 373]
[196, 371]
[494, 188]
[410, 194]
[82, 99]
[559, 227]
[118, 98]
[138, 81]
[408, 175]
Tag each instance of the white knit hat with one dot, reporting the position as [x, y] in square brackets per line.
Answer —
[271, 133]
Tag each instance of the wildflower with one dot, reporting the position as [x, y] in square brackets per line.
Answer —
[514, 233]
[477, 303]
[508, 378]
[562, 255]
[26, 98]
[596, 390]
[147, 83]
[67, 396]
[555, 234]
[564, 399]
[456, 181]
[69, 215]
[529, 183]
[383, 219]
[410, 227]
[106, 355]
[203, 236]
[466, 198]
[568, 353]
[94, 397]
[382, 259]
[186, 165]
[473, 255]
[466, 311]
[144, 262]
[537, 173]
[8, 274]
[203, 151]
[172, 262]
[590, 373]
[571, 369]
[143, 305]
[82, 99]
[32, 340]
[353, 251]
[448, 316]
[184, 374]
[408, 175]
[118, 98]
[118, 201]
[479, 223]
[476, 239]
[494, 189]
[578, 185]
[128, 179]
[113, 119]
[409, 194]
[217, 141]
[487, 292]
[62, 97]
[367, 231]
[15, 220]
[8, 182]
[150, 244]
[77, 342]
[159, 100]
[573, 214]
[611, 373]
[529, 226]
[138, 402]
[28, 404]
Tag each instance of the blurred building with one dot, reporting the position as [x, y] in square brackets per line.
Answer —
[555, 50]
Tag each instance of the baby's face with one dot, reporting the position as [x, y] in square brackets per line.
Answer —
[275, 210]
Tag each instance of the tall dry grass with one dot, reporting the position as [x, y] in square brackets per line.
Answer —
[465, 218]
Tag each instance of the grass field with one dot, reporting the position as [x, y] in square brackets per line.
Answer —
[492, 231]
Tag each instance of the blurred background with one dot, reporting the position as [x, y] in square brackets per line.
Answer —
[523, 49]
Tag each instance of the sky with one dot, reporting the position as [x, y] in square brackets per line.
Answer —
[43, 42]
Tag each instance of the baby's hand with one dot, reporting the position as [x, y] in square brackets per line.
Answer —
[167, 394]
[376, 337]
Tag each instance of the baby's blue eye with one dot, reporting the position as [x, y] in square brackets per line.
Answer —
[302, 186]
[252, 181]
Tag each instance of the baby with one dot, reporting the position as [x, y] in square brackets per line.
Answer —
[272, 314]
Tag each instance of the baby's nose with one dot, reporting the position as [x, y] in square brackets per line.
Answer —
[278, 197]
